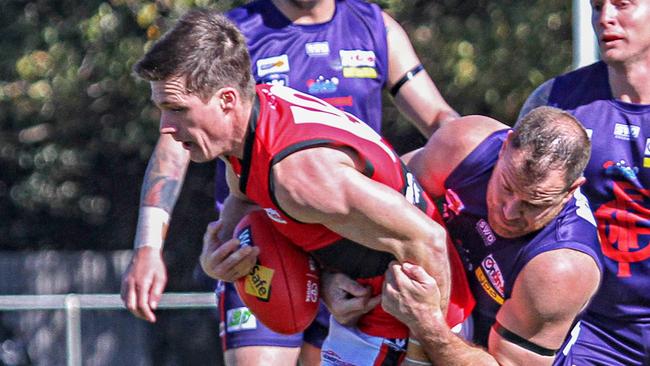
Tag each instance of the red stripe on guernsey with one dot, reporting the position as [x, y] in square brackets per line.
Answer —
[223, 321]
[388, 356]
[340, 101]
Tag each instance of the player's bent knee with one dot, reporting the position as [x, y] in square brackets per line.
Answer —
[262, 356]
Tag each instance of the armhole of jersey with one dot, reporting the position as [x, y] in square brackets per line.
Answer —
[377, 17]
[248, 145]
[368, 171]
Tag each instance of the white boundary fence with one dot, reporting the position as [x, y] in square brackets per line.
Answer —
[74, 303]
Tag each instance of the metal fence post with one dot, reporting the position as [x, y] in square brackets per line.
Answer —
[73, 329]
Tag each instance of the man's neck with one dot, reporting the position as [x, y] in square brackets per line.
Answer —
[241, 129]
[630, 82]
[306, 13]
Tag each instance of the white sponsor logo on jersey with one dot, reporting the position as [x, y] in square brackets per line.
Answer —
[626, 132]
[486, 233]
[240, 319]
[272, 65]
[357, 58]
[590, 132]
[314, 49]
[647, 147]
[493, 273]
[275, 215]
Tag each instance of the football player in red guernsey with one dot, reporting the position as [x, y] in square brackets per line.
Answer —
[328, 182]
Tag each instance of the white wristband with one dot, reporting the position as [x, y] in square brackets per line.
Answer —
[152, 227]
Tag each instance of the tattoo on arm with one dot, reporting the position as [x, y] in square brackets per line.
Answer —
[163, 181]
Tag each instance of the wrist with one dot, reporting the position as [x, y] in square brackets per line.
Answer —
[152, 227]
[428, 327]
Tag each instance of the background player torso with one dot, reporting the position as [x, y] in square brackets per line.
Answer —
[343, 61]
[618, 187]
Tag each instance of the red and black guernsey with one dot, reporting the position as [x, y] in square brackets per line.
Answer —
[285, 121]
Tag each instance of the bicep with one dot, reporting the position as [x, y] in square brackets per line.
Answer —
[544, 304]
[332, 192]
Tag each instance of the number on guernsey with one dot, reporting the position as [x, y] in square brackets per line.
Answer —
[307, 109]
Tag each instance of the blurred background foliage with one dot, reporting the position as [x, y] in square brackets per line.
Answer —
[76, 128]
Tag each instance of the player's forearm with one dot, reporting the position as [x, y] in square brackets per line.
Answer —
[425, 107]
[161, 187]
[431, 253]
[164, 176]
[234, 208]
[444, 347]
[382, 219]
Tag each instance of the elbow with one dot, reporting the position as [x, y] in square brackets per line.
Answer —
[430, 247]
[436, 245]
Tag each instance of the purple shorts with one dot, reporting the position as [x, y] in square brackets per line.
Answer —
[239, 328]
[595, 340]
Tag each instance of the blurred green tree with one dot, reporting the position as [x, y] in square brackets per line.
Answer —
[76, 129]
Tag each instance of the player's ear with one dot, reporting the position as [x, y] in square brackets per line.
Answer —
[575, 185]
[506, 143]
[228, 98]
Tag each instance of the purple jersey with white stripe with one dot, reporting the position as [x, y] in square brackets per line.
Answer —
[615, 329]
[343, 61]
[618, 187]
[493, 262]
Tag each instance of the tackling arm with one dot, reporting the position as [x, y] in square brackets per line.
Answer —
[543, 305]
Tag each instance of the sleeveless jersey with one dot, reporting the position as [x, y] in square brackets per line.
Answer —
[343, 61]
[285, 121]
[491, 261]
[618, 187]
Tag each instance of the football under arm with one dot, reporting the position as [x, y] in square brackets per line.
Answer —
[235, 206]
[331, 191]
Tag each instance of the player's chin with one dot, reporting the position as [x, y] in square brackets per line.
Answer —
[509, 231]
[199, 157]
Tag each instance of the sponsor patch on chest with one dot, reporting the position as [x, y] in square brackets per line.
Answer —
[315, 49]
[491, 279]
[485, 231]
[626, 132]
[272, 65]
